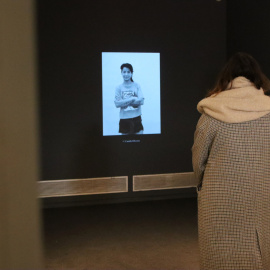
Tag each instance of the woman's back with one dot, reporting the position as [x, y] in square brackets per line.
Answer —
[234, 200]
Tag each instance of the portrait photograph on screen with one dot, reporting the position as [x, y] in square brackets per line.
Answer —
[131, 93]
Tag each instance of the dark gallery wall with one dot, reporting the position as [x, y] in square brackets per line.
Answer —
[191, 39]
[248, 30]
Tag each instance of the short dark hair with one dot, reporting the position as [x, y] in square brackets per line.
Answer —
[129, 66]
[240, 64]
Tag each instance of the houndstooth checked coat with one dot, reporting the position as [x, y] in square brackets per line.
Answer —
[232, 162]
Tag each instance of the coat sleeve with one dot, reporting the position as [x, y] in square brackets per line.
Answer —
[203, 139]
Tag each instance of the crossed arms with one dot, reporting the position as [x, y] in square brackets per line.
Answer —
[134, 101]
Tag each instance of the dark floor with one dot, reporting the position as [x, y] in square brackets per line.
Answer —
[156, 235]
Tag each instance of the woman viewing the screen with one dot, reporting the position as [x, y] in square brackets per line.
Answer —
[129, 98]
[231, 159]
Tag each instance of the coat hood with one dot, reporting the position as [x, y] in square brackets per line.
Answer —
[242, 102]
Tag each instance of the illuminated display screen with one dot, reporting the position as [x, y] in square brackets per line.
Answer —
[131, 94]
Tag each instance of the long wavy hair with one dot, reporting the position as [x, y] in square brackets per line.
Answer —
[240, 64]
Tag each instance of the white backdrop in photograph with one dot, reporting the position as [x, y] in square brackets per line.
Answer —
[146, 72]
